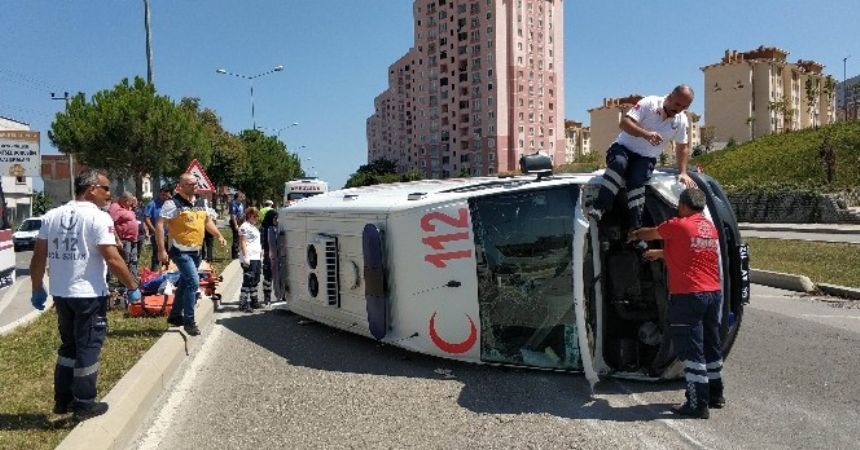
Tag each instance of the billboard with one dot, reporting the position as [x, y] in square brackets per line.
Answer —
[19, 154]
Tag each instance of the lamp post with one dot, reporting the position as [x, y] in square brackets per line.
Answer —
[251, 78]
[278, 131]
[845, 85]
[66, 98]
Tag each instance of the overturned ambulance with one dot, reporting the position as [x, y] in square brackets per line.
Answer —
[504, 271]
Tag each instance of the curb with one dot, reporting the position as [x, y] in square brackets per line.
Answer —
[801, 283]
[788, 281]
[801, 228]
[32, 315]
[840, 291]
[134, 395]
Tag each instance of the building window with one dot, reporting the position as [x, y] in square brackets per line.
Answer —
[20, 180]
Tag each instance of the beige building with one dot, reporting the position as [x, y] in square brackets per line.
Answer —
[605, 120]
[758, 92]
[482, 85]
[577, 141]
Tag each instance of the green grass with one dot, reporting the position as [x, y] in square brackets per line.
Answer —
[788, 160]
[27, 375]
[28, 355]
[822, 262]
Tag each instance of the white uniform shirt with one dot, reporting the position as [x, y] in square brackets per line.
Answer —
[74, 231]
[647, 114]
[253, 246]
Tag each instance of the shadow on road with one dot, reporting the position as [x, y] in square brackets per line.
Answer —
[486, 389]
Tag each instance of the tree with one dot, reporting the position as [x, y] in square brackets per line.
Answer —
[379, 171]
[269, 166]
[784, 109]
[130, 131]
[707, 137]
[812, 89]
[41, 203]
[827, 155]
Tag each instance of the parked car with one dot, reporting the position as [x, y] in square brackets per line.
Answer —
[24, 237]
[506, 271]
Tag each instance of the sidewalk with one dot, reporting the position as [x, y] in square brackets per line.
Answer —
[822, 228]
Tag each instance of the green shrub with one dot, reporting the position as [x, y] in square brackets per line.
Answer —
[788, 161]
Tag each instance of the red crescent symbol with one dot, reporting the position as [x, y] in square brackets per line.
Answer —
[453, 347]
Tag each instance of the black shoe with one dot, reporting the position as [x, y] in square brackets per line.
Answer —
[255, 305]
[175, 321]
[90, 411]
[687, 410]
[717, 402]
[192, 329]
[62, 407]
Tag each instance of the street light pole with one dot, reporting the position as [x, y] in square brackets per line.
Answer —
[250, 78]
[845, 86]
[66, 98]
[146, 23]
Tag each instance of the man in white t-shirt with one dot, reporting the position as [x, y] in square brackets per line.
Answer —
[78, 245]
[630, 160]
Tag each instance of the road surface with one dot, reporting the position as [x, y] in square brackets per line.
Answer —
[278, 381]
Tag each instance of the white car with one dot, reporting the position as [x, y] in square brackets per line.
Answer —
[24, 237]
[506, 271]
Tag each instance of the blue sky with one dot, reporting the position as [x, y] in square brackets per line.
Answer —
[336, 54]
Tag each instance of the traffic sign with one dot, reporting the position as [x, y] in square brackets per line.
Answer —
[203, 182]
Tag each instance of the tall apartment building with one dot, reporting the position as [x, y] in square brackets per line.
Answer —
[577, 141]
[758, 92]
[482, 85]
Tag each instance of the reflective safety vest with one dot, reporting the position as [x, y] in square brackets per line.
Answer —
[187, 228]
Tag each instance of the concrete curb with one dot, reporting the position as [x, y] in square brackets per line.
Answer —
[802, 228]
[788, 281]
[840, 291]
[136, 392]
[29, 317]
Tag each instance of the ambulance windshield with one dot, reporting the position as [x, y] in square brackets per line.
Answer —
[525, 284]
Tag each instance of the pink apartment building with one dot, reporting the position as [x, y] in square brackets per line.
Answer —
[482, 85]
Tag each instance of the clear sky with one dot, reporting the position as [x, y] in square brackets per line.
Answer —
[336, 54]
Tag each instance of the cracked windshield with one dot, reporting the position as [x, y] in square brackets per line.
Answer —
[525, 286]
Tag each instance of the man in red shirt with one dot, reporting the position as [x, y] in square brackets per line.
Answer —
[691, 253]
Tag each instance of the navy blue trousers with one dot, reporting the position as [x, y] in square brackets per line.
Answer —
[695, 326]
[83, 327]
[625, 169]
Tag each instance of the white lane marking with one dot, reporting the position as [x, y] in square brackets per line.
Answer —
[675, 425]
[165, 419]
[830, 316]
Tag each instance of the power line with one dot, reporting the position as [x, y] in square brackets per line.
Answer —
[27, 80]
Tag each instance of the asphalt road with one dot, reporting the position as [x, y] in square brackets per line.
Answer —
[277, 381]
[13, 308]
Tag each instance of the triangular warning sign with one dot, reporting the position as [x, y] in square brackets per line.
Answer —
[203, 182]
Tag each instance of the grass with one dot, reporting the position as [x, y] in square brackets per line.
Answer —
[788, 161]
[822, 262]
[28, 356]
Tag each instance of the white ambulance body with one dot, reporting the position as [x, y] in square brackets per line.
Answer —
[494, 270]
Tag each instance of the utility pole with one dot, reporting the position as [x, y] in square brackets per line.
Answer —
[845, 86]
[146, 22]
[66, 98]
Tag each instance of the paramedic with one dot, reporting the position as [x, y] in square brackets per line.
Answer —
[186, 218]
[631, 158]
[77, 244]
[691, 252]
[268, 229]
[250, 255]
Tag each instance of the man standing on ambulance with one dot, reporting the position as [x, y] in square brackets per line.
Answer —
[691, 252]
[186, 217]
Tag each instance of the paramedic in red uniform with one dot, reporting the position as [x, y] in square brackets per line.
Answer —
[691, 253]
